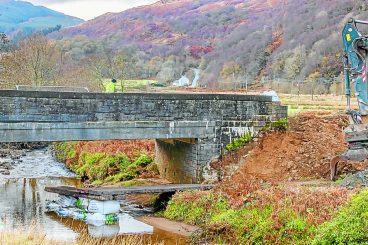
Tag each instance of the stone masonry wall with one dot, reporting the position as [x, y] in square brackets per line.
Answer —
[77, 107]
[228, 116]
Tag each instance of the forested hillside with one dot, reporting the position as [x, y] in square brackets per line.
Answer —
[22, 18]
[233, 39]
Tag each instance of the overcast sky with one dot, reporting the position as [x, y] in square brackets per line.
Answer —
[89, 9]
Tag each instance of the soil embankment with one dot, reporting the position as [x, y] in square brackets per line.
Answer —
[302, 152]
[279, 190]
[295, 158]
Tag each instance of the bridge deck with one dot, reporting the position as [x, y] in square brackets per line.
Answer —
[118, 193]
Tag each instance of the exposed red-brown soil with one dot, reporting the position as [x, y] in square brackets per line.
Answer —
[302, 152]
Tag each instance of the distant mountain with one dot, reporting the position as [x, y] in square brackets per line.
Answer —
[168, 23]
[23, 17]
[234, 39]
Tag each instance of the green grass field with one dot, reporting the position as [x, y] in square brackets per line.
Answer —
[305, 103]
[132, 84]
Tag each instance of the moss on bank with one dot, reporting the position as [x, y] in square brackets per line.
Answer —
[64, 151]
[101, 168]
[237, 143]
[348, 226]
[272, 223]
[246, 225]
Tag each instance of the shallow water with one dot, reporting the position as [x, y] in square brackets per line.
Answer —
[23, 199]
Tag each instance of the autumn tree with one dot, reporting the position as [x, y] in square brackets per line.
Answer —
[330, 68]
[154, 66]
[294, 64]
[172, 69]
[231, 69]
[33, 61]
[167, 72]
[107, 65]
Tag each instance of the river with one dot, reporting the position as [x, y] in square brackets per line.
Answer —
[23, 201]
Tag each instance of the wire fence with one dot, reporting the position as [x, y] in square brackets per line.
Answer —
[285, 86]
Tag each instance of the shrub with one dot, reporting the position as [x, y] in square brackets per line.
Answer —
[293, 228]
[245, 225]
[143, 161]
[281, 124]
[99, 167]
[349, 226]
[153, 168]
[86, 164]
[129, 175]
[64, 150]
[179, 209]
[249, 224]
[97, 182]
[124, 162]
[239, 142]
[197, 211]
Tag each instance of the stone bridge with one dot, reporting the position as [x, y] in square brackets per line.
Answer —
[190, 130]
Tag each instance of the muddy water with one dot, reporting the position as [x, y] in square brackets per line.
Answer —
[23, 199]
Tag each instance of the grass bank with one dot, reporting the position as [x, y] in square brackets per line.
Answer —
[322, 103]
[124, 85]
[275, 215]
[37, 238]
[109, 162]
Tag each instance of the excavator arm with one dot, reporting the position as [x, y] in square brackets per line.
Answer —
[355, 70]
[355, 54]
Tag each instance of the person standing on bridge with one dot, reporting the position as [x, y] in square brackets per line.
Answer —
[111, 86]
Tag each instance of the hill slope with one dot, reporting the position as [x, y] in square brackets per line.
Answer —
[234, 39]
[19, 16]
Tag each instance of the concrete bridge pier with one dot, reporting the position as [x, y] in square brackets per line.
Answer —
[186, 161]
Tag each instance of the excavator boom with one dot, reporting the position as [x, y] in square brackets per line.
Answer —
[355, 71]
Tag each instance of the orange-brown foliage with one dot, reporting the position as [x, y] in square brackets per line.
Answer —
[130, 148]
[317, 204]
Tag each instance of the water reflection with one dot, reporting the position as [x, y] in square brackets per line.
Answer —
[23, 204]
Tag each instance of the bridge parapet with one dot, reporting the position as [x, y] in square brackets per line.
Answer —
[212, 120]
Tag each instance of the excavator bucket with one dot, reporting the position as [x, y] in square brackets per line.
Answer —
[333, 167]
[357, 138]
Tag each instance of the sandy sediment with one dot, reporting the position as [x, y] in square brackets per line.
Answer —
[169, 226]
